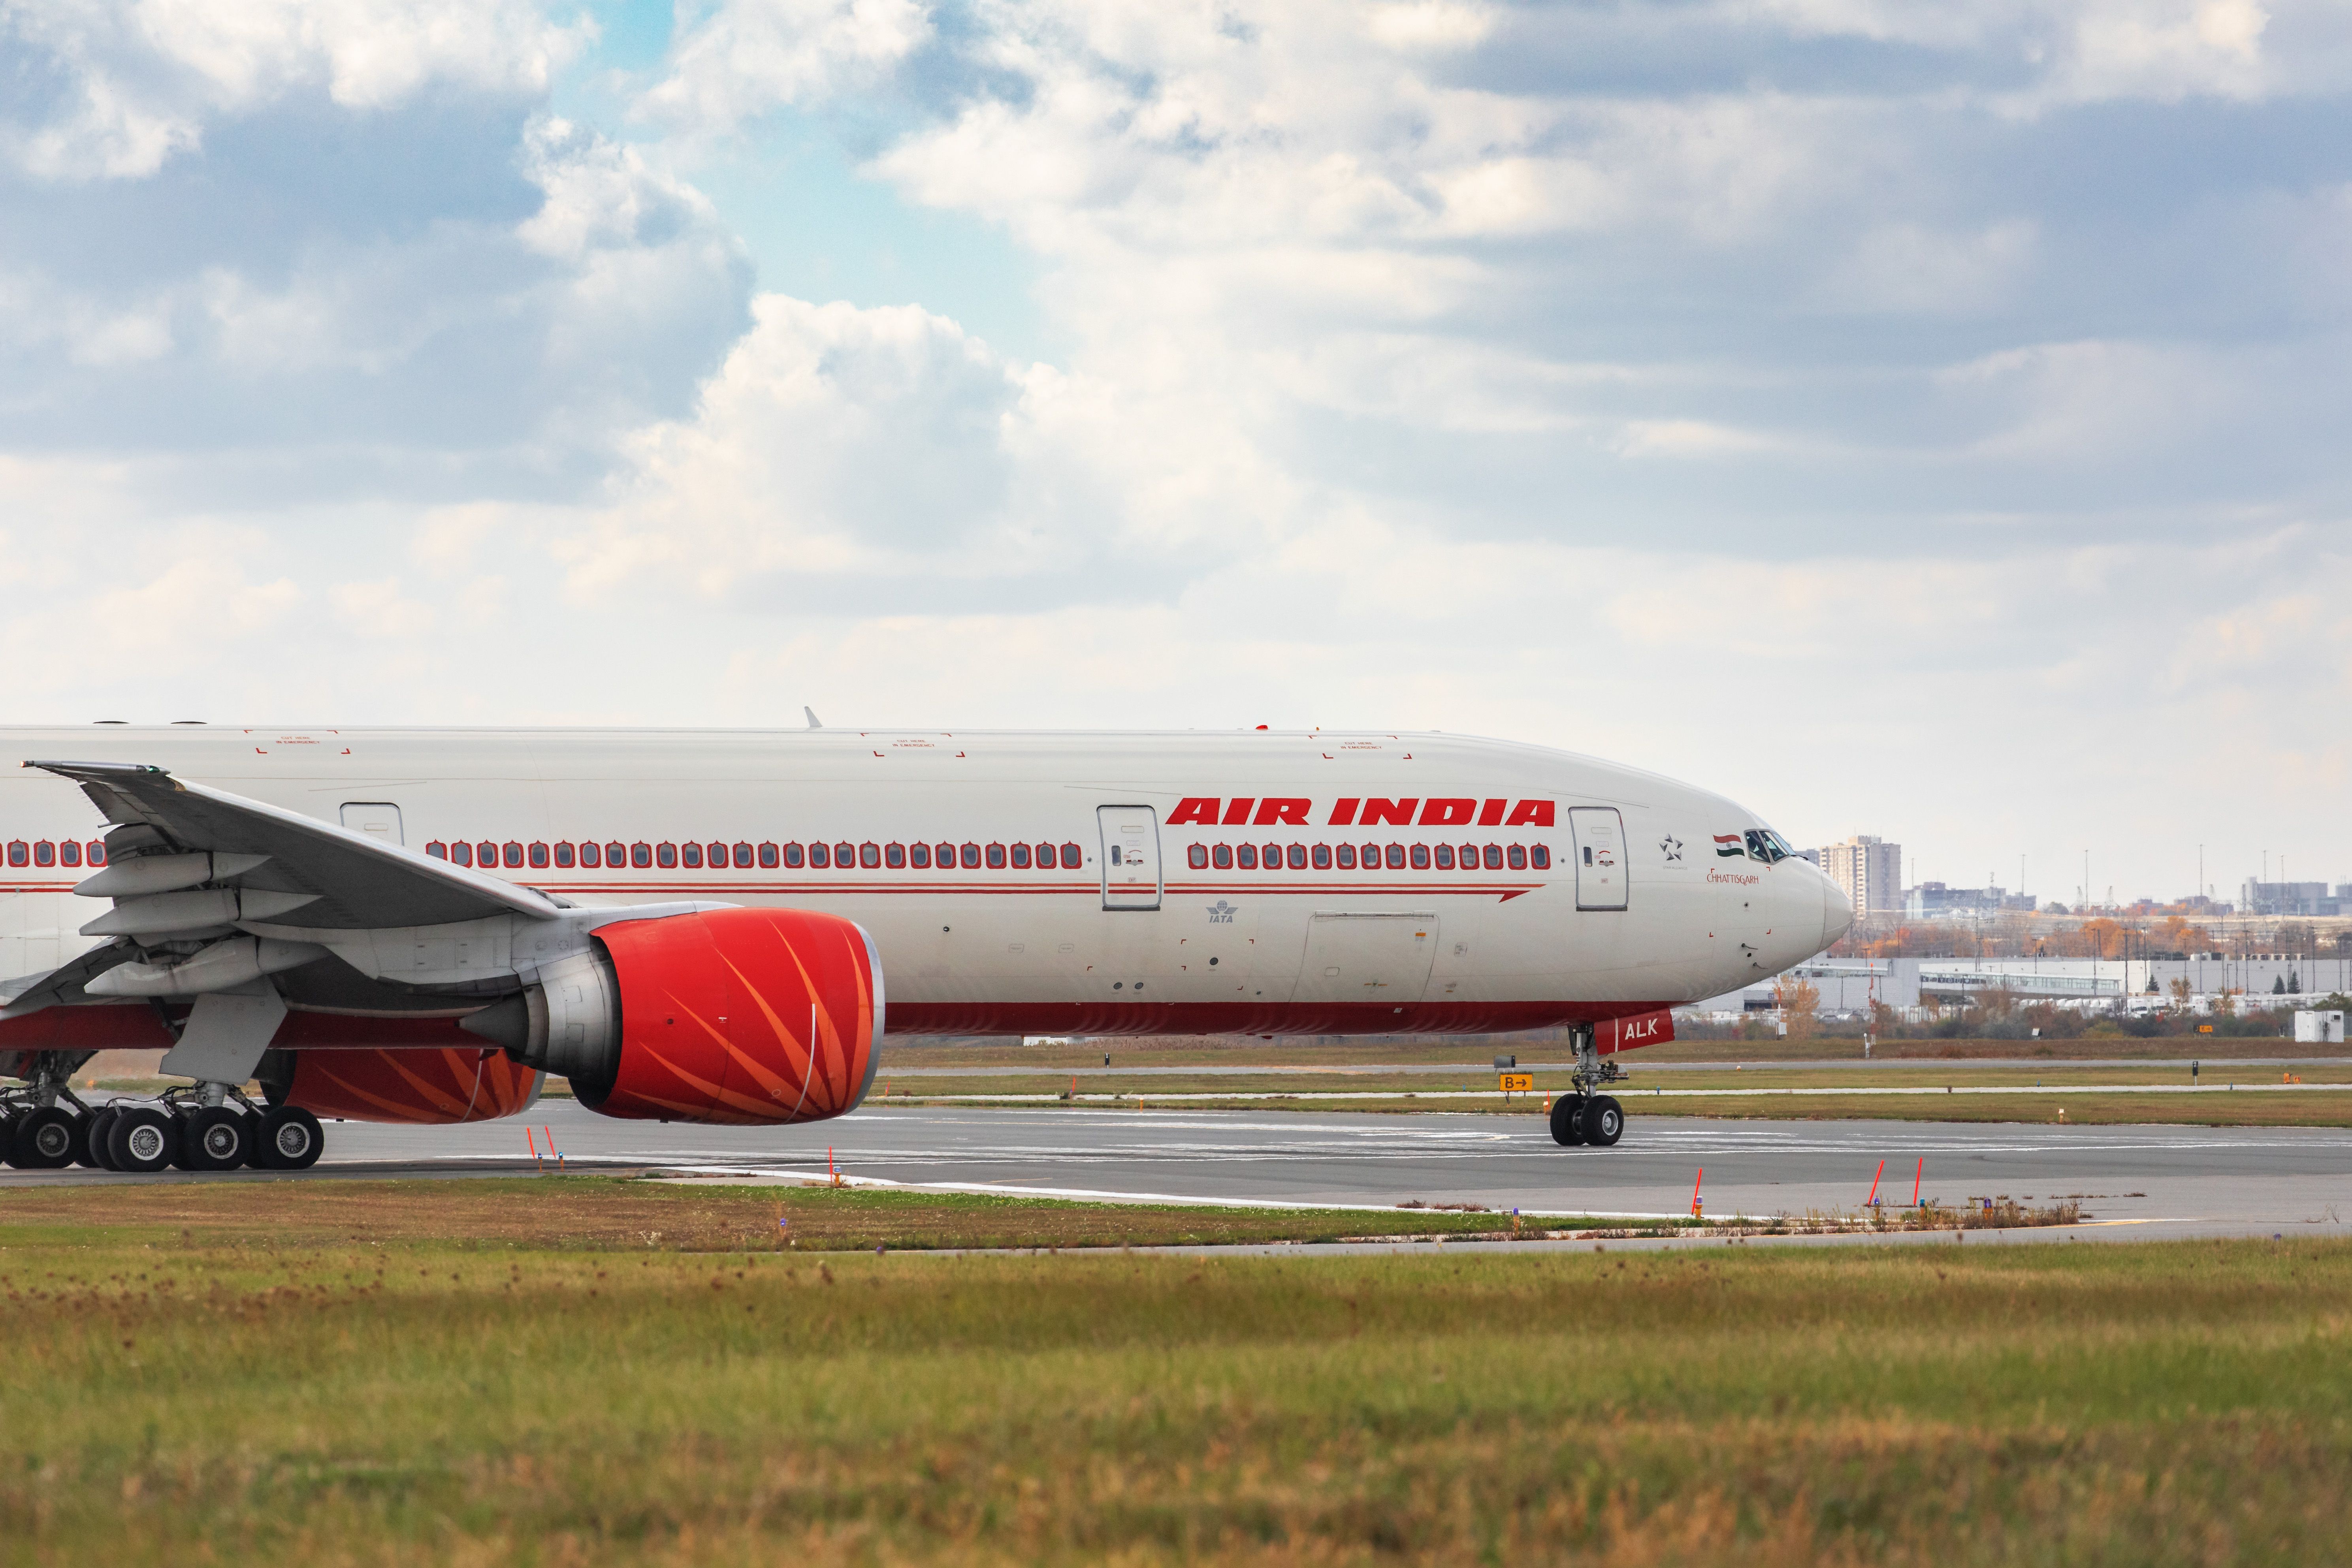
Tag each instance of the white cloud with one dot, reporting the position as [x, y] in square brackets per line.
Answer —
[750, 56]
[133, 81]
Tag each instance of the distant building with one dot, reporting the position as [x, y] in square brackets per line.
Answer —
[1931, 900]
[1868, 871]
[2290, 899]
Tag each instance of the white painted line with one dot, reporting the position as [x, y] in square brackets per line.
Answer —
[1143, 1099]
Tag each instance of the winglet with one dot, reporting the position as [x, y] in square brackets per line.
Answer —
[813, 724]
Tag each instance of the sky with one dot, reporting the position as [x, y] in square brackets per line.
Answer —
[1927, 421]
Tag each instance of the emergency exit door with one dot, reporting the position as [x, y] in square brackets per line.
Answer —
[1130, 857]
[376, 818]
[1597, 836]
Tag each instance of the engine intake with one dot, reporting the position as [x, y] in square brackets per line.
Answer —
[751, 1016]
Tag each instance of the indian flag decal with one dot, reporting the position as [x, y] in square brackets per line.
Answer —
[1727, 844]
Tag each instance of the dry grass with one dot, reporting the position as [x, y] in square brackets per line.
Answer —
[604, 1214]
[298, 1394]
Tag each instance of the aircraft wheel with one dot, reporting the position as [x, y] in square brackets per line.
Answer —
[1603, 1121]
[1565, 1120]
[100, 1124]
[291, 1138]
[257, 1151]
[144, 1138]
[42, 1140]
[215, 1138]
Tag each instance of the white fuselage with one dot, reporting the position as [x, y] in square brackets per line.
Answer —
[1168, 940]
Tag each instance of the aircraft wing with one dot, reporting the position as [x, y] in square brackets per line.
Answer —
[31, 993]
[343, 879]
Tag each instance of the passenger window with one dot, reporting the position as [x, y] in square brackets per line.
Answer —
[794, 857]
[70, 852]
[1372, 856]
[463, 854]
[1322, 856]
[921, 855]
[694, 856]
[743, 857]
[1346, 857]
[869, 855]
[1197, 856]
[97, 852]
[1248, 854]
[488, 852]
[1021, 857]
[666, 856]
[844, 856]
[1519, 857]
[641, 854]
[45, 852]
[971, 857]
[946, 856]
[1045, 856]
[1421, 857]
[820, 856]
[1072, 858]
[1296, 856]
[1396, 857]
[1224, 856]
[1445, 856]
[437, 851]
[591, 856]
[717, 854]
[1494, 856]
[1274, 857]
[894, 856]
[563, 855]
[514, 853]
[770, 856]
[1542, 855]
[1469, 856]
[616, 855]
[538, 855]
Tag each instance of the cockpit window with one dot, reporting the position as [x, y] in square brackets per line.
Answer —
[1765, 845]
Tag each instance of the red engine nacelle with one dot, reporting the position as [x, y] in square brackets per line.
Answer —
[428, 1085]
[753, 1016]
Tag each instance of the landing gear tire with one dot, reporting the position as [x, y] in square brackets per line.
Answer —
[215, 1138]
[142, 1139]
[102, 1123]
[290, 1139]
[1603, 1121]
[42, 1140]
[1566, 1121]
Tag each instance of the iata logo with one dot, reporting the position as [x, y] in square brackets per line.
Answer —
[1221, 913]
[1360, 811]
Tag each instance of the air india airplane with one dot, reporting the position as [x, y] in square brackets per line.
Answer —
[420, 925]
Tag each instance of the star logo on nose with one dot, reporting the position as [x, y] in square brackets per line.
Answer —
[1670, 847]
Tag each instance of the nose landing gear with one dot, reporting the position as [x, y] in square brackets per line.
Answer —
[1585, 1115]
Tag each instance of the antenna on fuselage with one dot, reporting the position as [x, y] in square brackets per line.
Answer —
[814, 722]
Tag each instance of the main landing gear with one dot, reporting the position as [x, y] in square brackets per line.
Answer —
[177, 1129]
[1584, 1115]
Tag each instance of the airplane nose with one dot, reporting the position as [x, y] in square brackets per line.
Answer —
[1837, 913]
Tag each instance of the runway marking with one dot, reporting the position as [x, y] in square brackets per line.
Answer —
[1634, 1095]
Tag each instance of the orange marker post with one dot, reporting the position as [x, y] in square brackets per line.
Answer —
[533, 1139]
[1916, 1177]
[1694, 1186]
[1871, 1201]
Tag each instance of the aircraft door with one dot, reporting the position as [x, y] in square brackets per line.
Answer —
[1597, 833]
[1130, 857]
[1367, 958]
[376, 818]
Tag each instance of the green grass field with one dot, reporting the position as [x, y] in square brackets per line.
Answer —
[477, 1372]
